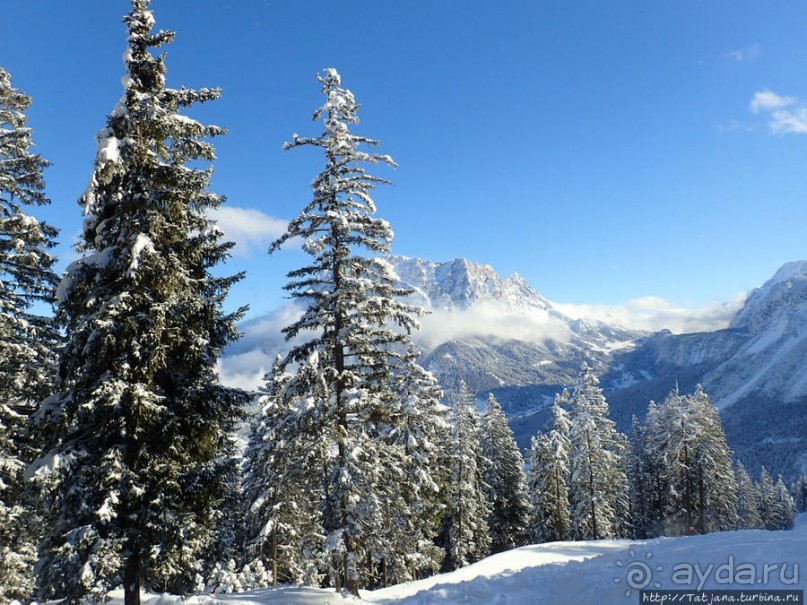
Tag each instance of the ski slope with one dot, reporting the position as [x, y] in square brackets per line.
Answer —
[607, 572]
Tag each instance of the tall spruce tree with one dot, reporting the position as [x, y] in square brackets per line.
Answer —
[28, 340]
[747, 500]
[776, 506]
[598, 488]
[799, 492]
[362, 389]
[548, 477]
[139, 422]
[785, 505]
[284, 485]
[422, 430]
[664, 430]
[464, 533]
[715, 481]
[657, 489]
[640, 478]
[505, 480]
[688, 446]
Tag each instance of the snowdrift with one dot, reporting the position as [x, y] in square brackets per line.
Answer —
[606, 572]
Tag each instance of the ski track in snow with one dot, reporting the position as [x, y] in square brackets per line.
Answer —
[567, 573]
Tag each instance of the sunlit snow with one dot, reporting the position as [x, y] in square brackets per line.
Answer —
[574, 573]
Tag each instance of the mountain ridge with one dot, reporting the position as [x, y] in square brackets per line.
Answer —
[752, 368]
[501, 336]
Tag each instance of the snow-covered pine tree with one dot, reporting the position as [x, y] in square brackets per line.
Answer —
[548, 477]
[658, 488]
[358, 329]
[670, 450]
[766, 490]
[799, 492]
[464, 533]
[285, 475]
[715, 481]
[640, 480]
[28, 341]
[539, 480]
[505, 480]
[776, 506]
[785, 505]
[747, 500]
[688, 447]
[225, 578]
[227, 541]
[139, 422]
[422, 429]
[598, 488]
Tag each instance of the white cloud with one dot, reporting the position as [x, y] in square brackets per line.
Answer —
[789, 121]
[246, 361]
[787, 115]
[747, 54]
[244, 370]
[651, 313]
[767, 100]
[248, 228]
[493, 320]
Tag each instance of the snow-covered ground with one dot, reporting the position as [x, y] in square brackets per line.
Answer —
[608, 572]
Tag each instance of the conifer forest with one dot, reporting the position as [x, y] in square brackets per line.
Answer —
[126, 464]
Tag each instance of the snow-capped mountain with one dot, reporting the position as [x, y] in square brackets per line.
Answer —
[459, 283]
[500, 335]
[755, 370]
[774, 352]
[762, 350]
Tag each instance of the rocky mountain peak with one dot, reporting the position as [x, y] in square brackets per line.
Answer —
[783, 298]
[460, 283]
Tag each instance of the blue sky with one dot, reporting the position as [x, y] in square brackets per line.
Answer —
[606, 151]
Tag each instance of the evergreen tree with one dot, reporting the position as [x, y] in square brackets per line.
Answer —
[283, 484]
[139, 423]
[785, 506]
[355, 340]
[227, 540]
[776, 506]
[227, 578]
[640, 478]
[598, 488]
[422, 429]
[747, 500]
[799, 492]
[689, 449]
[657, 491]
[548, 477]
[464, 533]
[506, 481]
[715, 481]
[28, 341]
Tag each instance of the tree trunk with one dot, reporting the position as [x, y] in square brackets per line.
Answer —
[701, 506]
[350, 582]
[559, 533]
[131, 578]
[274, 555]
[459, 561]
[595, 533]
